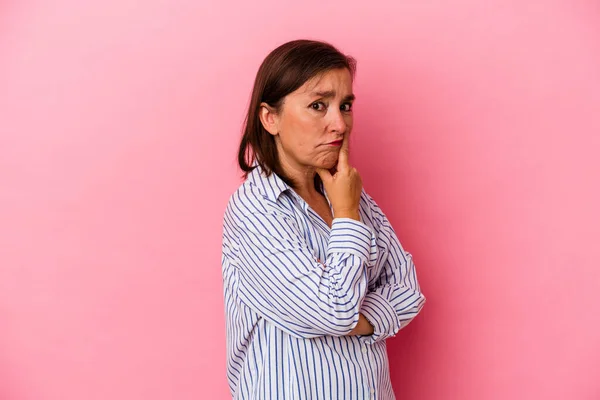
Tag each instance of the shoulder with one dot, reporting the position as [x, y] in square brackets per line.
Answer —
[245, 200]
[250, 201]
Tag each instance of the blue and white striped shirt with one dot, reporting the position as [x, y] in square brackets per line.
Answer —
[294, 288]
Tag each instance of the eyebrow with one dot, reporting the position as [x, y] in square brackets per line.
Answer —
[331, 93]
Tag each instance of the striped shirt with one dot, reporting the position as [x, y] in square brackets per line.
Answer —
[294, 288]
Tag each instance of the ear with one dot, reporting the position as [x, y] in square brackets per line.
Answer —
[269, 118]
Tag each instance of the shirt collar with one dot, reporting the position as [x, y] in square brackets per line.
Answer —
[271, 186]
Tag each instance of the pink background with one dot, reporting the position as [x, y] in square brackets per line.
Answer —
[477, 131]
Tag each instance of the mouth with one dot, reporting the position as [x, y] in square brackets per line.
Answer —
[335, 143]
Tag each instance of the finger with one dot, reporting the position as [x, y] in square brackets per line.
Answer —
[343, 162]
[324, 174]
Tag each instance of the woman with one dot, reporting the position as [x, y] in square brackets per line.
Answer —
[315, 279]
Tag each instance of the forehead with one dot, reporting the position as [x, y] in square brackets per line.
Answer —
[338, 81]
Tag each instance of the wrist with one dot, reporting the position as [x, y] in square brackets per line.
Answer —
[347, 214]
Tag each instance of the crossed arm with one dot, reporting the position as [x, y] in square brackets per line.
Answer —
[281, 280]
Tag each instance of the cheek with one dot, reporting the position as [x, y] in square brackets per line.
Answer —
[297, 142]
[303, 133]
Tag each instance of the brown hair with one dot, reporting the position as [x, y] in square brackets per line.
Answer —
[283, 71]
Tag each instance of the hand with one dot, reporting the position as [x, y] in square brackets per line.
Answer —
[363, 327]
[344, 186]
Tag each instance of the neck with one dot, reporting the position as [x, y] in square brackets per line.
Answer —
[303, 177]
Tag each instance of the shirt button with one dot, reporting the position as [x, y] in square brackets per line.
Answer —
[364, 350]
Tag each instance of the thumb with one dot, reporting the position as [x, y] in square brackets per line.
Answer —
[324, 174]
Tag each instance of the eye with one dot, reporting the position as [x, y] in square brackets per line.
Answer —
[318, 106]
[346, 107]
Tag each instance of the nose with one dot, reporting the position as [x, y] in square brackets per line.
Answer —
[337, 122]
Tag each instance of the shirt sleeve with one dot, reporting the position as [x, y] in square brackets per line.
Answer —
[396, 298]
[281, 280]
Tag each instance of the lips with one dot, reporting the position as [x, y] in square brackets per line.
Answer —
[336, 143]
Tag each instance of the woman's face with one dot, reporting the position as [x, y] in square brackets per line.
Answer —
[312, 121]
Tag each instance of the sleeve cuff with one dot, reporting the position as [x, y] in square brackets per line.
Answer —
[389, 309]
[382, 315]
[349, 235]
[407, 302]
